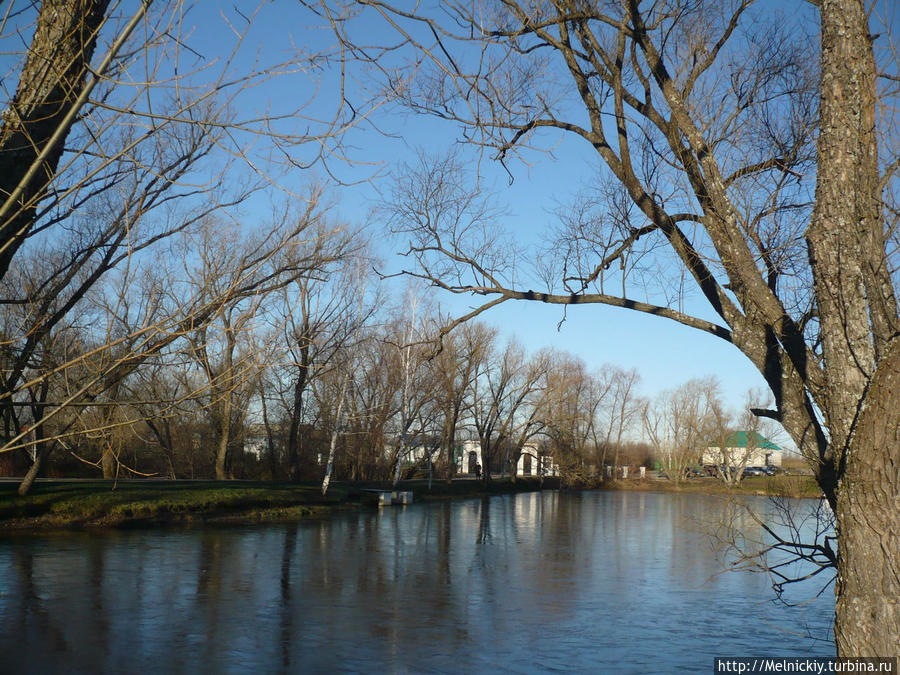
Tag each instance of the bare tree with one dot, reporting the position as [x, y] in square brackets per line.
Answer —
[100, 168]
[527, 421]
[373, 402]
[500, 394]
[161, 392]
[678, 423]
[623, 408]
[456, 366]
[760, 157]
[222, 347]
[570, 412]
[218, 291]
[345, 369]
[315, 319]
[412, 347]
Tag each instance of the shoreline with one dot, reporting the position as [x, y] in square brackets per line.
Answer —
[75, 504]
[796, 486]
[90, 505]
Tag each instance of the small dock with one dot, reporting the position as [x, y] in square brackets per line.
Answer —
[386, 497]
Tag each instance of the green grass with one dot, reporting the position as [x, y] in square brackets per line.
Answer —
[96, 503]
[783, 485]
[74, 504]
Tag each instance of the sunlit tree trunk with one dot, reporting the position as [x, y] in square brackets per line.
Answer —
[335, 433]
[867, 620]
[35, 469]
[858, 315]
[41, 450]
[224, 388]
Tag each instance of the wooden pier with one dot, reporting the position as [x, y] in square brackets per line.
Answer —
[386, 497]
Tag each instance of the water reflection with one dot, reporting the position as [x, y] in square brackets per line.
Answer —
[529, 582]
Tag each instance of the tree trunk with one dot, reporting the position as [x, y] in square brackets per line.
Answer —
[335, 433]
[401, 450]
[31, 476]
[329, 465]
[487, 452]
[224, 437]
[109, 461]
[867, 617]
[270, 437]
[846, 209]
[41, 450]
[603, 461]
[293, 447]
[858, 318]
[449, 442]
[52, 79]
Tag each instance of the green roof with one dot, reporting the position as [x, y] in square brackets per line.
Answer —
[738, 439]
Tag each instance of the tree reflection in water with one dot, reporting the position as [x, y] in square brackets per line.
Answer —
[530, 582]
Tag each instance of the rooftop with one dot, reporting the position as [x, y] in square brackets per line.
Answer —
[738, 439]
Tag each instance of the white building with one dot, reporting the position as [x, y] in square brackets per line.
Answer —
[469, 457]
[757, 450]
[531, 461]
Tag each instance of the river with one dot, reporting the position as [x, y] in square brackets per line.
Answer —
[587, 582]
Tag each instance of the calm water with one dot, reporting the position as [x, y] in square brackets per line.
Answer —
[594, 582]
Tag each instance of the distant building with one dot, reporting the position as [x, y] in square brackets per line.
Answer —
[469, 456]
[738, 447]
[256, 441]
[531, 462]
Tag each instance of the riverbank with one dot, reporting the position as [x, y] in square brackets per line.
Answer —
[80, 504]
[799, 486]
[86, 504]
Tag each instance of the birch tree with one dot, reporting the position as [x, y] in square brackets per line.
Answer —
[346, 369]
[316, 318]
[412, 345]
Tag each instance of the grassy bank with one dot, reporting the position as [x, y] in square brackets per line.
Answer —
[784, 485]
[67, 504]
[144, 503]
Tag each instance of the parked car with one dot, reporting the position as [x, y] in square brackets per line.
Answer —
[753, 471]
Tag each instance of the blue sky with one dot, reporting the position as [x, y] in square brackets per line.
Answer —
[665, 353]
